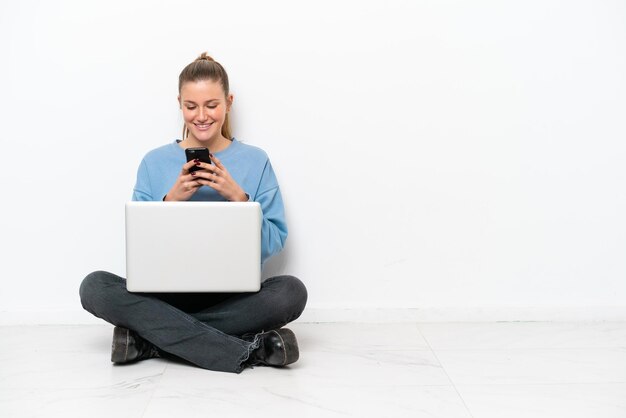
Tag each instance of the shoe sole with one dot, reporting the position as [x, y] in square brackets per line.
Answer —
[119, 347]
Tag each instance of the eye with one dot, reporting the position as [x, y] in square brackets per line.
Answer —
[212, 106]
[191, 107]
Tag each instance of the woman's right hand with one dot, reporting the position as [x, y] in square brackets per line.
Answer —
[185, 186]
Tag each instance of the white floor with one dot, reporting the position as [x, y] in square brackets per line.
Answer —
[501, 370]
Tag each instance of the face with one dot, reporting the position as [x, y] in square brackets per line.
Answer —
[204, 107]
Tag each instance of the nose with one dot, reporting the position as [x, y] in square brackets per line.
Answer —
[202, 115]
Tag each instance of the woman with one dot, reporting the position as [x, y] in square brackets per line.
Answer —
[223, 331]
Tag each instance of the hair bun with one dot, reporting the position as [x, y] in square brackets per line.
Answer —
[204, 57]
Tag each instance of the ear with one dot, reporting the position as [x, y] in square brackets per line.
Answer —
[229, 102]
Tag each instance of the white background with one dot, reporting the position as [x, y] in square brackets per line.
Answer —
[457, 156]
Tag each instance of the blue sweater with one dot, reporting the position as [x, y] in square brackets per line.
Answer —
[248, 166]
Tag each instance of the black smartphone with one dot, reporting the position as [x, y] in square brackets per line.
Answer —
[200, 153]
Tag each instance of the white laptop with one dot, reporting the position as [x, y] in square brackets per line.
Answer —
[193, 246]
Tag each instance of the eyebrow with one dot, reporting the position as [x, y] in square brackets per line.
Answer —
[208, 101]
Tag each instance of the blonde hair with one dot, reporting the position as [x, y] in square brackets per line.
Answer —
[206, 68]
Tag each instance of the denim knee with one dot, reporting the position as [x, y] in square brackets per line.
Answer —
[92, 288]
[295, 295]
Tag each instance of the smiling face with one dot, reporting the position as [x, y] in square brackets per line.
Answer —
[204, 105]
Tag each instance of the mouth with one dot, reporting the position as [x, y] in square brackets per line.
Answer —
[203, 126]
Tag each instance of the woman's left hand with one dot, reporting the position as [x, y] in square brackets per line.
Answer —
[217, 177]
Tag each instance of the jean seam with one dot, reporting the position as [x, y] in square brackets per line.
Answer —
[246, 355]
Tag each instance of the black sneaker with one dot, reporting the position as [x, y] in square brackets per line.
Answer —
[128, 347]
[276, 348]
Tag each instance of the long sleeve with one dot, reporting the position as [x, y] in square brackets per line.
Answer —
[142, 190]
[274, 227]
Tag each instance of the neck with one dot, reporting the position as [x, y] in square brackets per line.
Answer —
[216, 144]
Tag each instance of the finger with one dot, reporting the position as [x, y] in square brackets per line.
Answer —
[219, 173]
[205, 176]
[219, 169]
[211, 171]
[188, 177]
[216, 178]
[203, 183]
[213, 178]
[191, 185]
[187, 166]
[208, 183]
[206, 166]
[201, 175]
[217, 162]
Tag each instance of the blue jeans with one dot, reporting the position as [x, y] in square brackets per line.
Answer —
[205, 329]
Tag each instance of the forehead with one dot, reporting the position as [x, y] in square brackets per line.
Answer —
[202, 90]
